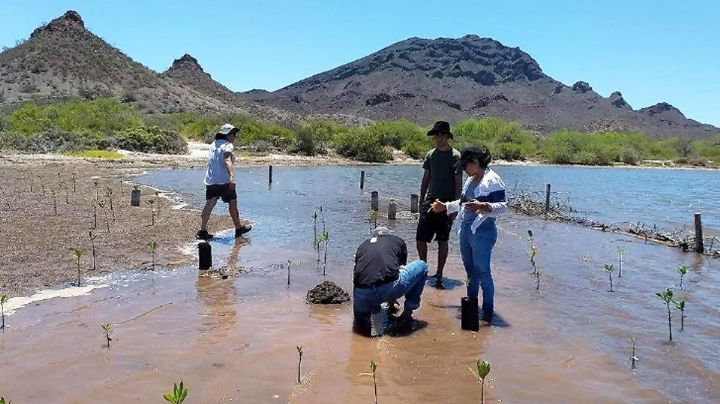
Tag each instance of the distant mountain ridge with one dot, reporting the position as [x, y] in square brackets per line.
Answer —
[419, 79]
[424, 80]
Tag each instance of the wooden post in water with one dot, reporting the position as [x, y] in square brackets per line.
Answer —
[374, 200]
[392, 210]
[547, 198]
[362, 179]
[270, 174]
[414, 200]
[699, 245]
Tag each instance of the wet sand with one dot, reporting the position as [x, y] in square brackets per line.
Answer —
[39, 230]
[233, 340]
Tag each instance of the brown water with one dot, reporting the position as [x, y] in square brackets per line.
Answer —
[234, 339]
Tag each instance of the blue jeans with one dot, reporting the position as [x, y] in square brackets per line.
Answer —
[410, 284]
[475, 250]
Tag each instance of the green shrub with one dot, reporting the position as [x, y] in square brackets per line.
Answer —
[395, 133]
[150, 140]
[360, 144]
[505, 140]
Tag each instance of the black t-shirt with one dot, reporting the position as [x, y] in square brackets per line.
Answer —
[379, 262]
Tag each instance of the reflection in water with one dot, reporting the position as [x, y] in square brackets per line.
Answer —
[218, 297]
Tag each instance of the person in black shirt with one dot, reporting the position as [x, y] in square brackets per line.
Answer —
[383, 275]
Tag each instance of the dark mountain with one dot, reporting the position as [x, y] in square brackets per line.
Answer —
[424, 80]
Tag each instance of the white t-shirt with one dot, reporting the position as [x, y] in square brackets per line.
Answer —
[216, 172]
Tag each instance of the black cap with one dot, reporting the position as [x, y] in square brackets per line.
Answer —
[440, 127]
[470, 153]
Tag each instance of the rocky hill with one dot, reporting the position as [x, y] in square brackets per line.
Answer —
[424, 80]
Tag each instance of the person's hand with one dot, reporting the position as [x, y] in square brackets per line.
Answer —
[452, 217]
[232, 183]
[476, 206]
[437, 206]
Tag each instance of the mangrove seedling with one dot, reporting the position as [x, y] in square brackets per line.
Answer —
[95, 215]
[373, 368]
[680, 305]
[315, 235]
[324, 238]
[373, 217]
[537, 274]
[109, 195]
[2, 401]
[300, 354]
[178, 395]
[3, 299]
[667, 297]
[621, 252]
[107, 327]
[101, 205]
[683, 270]
[54, 203]
[92, 246]
[73, 180]
[97, 192]
[151, 203]
[289, 263]
[532, 252]
[609, 269]
[633, 358]
[153, 245]
[78, 253]
[483, 369]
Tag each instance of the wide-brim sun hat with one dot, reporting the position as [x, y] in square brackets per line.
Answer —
[441, 127]
[227, 129]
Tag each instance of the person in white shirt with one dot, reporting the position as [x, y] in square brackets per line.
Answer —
[220, 181]
[482, 200]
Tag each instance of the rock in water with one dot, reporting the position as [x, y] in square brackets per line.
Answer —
[327, 293]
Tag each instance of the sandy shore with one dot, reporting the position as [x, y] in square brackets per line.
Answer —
[42, 218]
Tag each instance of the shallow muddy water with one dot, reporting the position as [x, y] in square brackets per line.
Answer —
[234, 339]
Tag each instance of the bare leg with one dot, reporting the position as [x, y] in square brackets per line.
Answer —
[442, 258]
[207, 210]
[422, 250]
[232, 206]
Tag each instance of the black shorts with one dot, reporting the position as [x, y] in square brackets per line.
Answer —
[432, 224]
[221, 191]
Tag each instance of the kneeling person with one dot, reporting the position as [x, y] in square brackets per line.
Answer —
[381, 275]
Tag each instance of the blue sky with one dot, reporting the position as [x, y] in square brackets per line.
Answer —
[652, 51]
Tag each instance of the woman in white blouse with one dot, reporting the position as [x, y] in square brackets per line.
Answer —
[482, 200]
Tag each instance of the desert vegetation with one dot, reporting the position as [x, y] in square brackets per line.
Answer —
[93, 128]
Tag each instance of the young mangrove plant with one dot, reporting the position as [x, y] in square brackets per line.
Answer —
[3, 299]
[92, 246]
[101, 204]
[324, 238]
[289, 263]
[633, 358]
[97, 191]
[109, 195]
[373, 368]
[667, 297]
[315, 235]
[95, 205]
[682, 269]
[621, 253]
[537, 274]
[483, 369]
[54, 203]
[373, 214]
[107, 327]
[300, 354]
[178, 395]
[609, 269]
[532, 250]
[78, 253]
[151, 203]
[680, 305]
[74, 182]
[153, 245]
